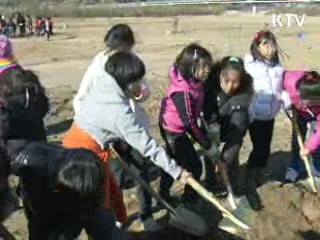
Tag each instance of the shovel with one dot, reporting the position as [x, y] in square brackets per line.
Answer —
[305, 160]
[234, 203]
[180, 217]
[227, 214]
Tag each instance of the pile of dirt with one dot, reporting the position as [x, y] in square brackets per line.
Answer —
[289, 212]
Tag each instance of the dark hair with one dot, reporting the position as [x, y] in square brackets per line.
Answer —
[309, 85]
[258, 39]
[190, 59]
[118, 36]
[225, 64]
[23, 93]
[81, 172]
[125, 68]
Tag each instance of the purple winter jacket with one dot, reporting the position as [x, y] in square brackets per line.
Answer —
[181, 107]
[290, 81]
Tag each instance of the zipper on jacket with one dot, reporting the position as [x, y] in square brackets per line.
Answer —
[271, 104]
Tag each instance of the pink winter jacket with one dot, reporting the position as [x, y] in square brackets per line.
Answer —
[290, 81]
[181, 107]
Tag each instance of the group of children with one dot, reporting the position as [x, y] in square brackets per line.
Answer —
[19, 25]
[211, 103]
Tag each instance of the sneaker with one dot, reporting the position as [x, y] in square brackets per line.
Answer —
[291, 175]
[150, 225]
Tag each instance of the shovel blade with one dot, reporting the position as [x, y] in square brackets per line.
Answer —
[187, 221]
[243, 203]
[246, 214]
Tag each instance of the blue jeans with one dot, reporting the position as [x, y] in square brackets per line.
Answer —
[296, 162]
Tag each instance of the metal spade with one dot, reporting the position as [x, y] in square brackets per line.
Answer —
[180, 218]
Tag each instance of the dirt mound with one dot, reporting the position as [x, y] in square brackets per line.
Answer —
[288, 213]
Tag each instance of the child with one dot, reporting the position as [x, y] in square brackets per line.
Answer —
[180, 110]
[119, 38]
[7, 58]
[228, 94]
[303, 88]
[47, 28]
[264, 66]
[61, 191]
[23, 104]
[114, 119]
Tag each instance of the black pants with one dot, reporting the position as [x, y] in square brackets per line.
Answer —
[58, 227]
[261, 135]
[145, 200]
[181, 149]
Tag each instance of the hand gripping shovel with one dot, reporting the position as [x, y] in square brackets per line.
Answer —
[305, 160]
[241, 202]
[180, 217]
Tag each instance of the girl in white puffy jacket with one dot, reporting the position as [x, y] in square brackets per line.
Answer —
[264, 66]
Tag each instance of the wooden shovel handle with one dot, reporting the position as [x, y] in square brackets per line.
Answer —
[223, 171]
[144, 184]
[208, 196]
[225, 177]
[304, 159]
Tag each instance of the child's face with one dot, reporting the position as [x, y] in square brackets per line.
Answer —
[202, 73]
[230, 81]
[267, 49]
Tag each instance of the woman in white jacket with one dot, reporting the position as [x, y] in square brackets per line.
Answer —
[264, 66]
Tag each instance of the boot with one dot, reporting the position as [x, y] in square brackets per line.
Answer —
[251, 188]
[261, 176]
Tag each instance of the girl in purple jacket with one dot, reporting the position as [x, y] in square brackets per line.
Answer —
[180, 110]
[303, 88]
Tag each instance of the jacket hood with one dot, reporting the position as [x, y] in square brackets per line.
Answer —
[178, 82]
[109, 85]
[100, 60]
[290, 77]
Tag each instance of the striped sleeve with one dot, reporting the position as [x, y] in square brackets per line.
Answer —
[185, 104]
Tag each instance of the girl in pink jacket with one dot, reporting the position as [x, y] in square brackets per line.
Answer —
[180, 110]
[303, 88]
